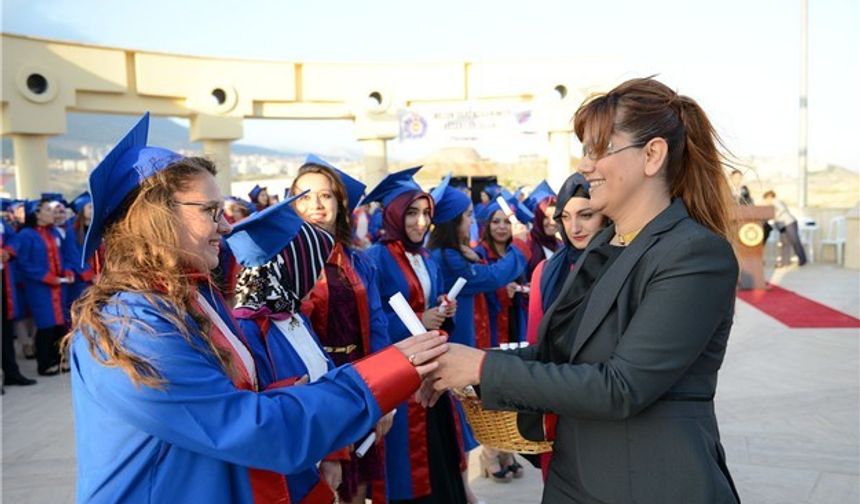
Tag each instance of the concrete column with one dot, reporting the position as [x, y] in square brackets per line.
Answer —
[375, 160]
[558, 158]
[216, 133]
[373, 130]
[31, 164]
[219, 151]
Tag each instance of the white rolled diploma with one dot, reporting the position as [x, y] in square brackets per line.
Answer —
[365, 445]
[453, 293]
[406, 314]
[506, 209]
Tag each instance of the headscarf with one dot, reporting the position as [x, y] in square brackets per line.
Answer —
[277, 287]
[559, 265]
[539, 238]
[394, 220]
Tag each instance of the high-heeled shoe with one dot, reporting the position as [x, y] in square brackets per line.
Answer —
[490, 467]
[511, 465]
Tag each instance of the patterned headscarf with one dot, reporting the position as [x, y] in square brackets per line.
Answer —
[277, 287]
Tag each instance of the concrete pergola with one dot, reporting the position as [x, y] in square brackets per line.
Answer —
[44, 79]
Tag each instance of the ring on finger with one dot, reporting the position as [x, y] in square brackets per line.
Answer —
[412, 359]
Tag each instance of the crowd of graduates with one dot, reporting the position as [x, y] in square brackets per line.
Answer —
[369, 245]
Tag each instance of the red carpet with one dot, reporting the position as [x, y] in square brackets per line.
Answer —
[795, 310]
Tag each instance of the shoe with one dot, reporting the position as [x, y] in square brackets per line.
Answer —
[490, 467]
[51, 371]
[511, 465]
[18, 380]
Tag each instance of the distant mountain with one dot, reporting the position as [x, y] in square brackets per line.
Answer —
[103, 130]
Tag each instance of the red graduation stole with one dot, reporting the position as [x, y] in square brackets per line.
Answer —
[55, 269]
[416, 414]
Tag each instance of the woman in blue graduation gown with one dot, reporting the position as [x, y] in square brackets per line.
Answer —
[10, 300]
[73, 247]
[449, 242]
[165, 391]
[40, 264]
[344, 307]
[285, 349]
[542, 237]
[423, 455]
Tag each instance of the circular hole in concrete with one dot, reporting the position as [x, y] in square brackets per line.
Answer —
[561, 89]
[220, 96]
[375, 96]
[37, 83]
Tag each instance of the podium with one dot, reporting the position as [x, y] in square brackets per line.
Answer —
[750, 249]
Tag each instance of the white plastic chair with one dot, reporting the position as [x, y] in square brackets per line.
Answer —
[837, 233]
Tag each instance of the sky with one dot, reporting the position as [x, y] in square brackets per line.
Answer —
[740, 59]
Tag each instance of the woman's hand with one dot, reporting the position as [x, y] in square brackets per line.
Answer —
[384, 425]
[469, 254]
[450, 306]
[433, 318]
[458, 367]
[423, 349]
[332, 473]
[512, 289]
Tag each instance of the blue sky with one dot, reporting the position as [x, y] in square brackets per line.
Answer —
[738, 58]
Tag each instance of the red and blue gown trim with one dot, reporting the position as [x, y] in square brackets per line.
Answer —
[507, 315]
[40, 262]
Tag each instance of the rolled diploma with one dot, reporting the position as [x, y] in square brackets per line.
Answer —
[452, 294]
[506, 209]
[407, 316]
[368, 442]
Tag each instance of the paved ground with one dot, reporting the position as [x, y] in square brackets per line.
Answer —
[788, 405]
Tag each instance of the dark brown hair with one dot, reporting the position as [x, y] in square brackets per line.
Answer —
[694, 171]
[342, 223]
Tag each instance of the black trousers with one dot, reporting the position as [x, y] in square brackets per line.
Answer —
[791, 236]
[48, 346]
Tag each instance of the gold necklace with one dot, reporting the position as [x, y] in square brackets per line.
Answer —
[625, 239]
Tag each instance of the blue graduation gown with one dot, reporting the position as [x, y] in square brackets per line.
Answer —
[494, 305]
[194, 439]
[277, 361]
[73, 250]
[480, 278]
[14, 306]
[40, 260]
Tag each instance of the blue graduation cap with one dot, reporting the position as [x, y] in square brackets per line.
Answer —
[492, 190]
[540, 193]
[5, 204]
[354, 188]
[257, 239]
[392, 186]
[449, 202]
[255, 192]
[55, 196]
[80, 201]
[129, 163]
[32, 206]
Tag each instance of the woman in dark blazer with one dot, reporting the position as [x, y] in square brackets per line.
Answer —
[628, 354]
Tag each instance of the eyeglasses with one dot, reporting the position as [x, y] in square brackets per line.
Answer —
[215, 210]
[588, 152]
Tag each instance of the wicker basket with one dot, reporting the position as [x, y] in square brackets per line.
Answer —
[498, 429]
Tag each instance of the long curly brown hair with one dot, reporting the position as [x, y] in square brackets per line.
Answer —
[142, 255]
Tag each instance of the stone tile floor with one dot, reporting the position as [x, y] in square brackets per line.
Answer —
[788, 405]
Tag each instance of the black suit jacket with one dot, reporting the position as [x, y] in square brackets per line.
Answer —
[636, 418]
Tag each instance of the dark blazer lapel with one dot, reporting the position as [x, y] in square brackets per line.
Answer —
[605, 291]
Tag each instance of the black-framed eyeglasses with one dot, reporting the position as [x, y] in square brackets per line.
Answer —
[215, 210]
[588, 152]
